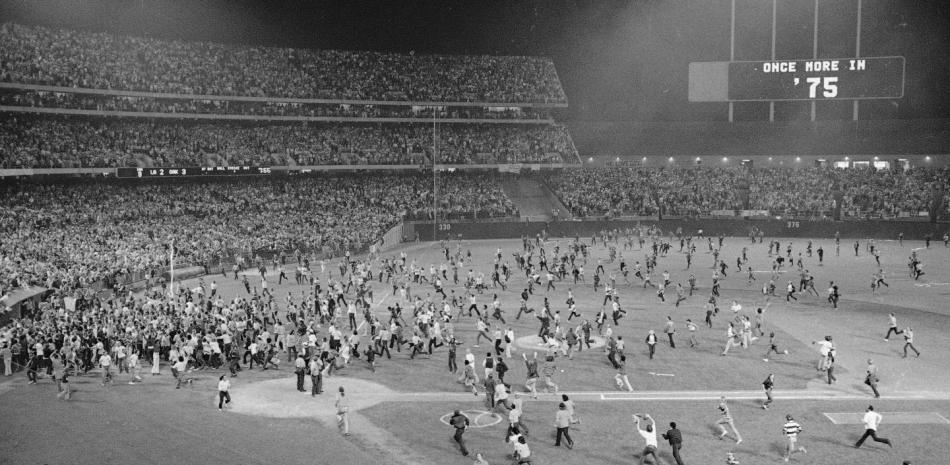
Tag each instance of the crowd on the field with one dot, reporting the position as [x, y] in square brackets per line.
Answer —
[865, 193]
[267, 108]
[59, 57]
[62, 142]
[70, 235]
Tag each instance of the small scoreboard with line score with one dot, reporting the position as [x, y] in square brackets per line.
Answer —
[804, 79]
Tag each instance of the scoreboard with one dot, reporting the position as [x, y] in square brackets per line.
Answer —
[805, 79]
[191, 171]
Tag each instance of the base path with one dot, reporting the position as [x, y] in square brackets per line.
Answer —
[277, 398]
[536, 343]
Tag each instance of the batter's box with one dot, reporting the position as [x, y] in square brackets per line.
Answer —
[890, 418]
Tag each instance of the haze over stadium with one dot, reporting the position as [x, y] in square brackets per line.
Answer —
[694, 214]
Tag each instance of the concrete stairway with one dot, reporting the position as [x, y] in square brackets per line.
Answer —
[533, 198]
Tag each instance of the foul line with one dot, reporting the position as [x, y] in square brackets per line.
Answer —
[858, 415]
[674, 395]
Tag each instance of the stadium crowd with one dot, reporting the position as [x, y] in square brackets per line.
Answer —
[42, 142]
[39, 55]
[618, 191]
[97, 102]
[67, 236]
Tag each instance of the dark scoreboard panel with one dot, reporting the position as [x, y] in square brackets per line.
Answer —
[839, 78]
[191, 171]
[818, 79]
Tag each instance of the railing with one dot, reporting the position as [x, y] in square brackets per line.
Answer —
[240, 117]
[810, 215]
[239, 98]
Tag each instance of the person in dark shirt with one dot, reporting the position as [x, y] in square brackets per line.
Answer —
[676, 441]
[459, 422]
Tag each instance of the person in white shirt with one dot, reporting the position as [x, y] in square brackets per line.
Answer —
[824, 347]
[569, 405]
[135, 367]
[224, 386]
[178, 370]
[501, 396]
[891, 326]
[732, 339]
[562, 422]
[252, 349]
[649, 436]
[871, 421]
[105, 361]
[514, 417]
[522, 452]
[342, 412]
[909, 341]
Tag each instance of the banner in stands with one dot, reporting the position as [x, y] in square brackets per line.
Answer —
[748, 213]
[722, 213]
[510, 168]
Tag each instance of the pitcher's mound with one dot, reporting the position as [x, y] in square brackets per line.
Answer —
[279, 398]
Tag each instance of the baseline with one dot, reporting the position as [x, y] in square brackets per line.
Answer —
[898, 418]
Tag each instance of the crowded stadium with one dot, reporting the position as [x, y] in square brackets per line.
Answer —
[579, 218]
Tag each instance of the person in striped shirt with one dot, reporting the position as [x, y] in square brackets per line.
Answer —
[791, 430]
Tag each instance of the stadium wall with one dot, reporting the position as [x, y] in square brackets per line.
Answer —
[913, 230]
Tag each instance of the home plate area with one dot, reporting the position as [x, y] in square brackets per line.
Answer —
[904, 418]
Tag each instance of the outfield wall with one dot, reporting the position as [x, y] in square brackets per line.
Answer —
[913, 230]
